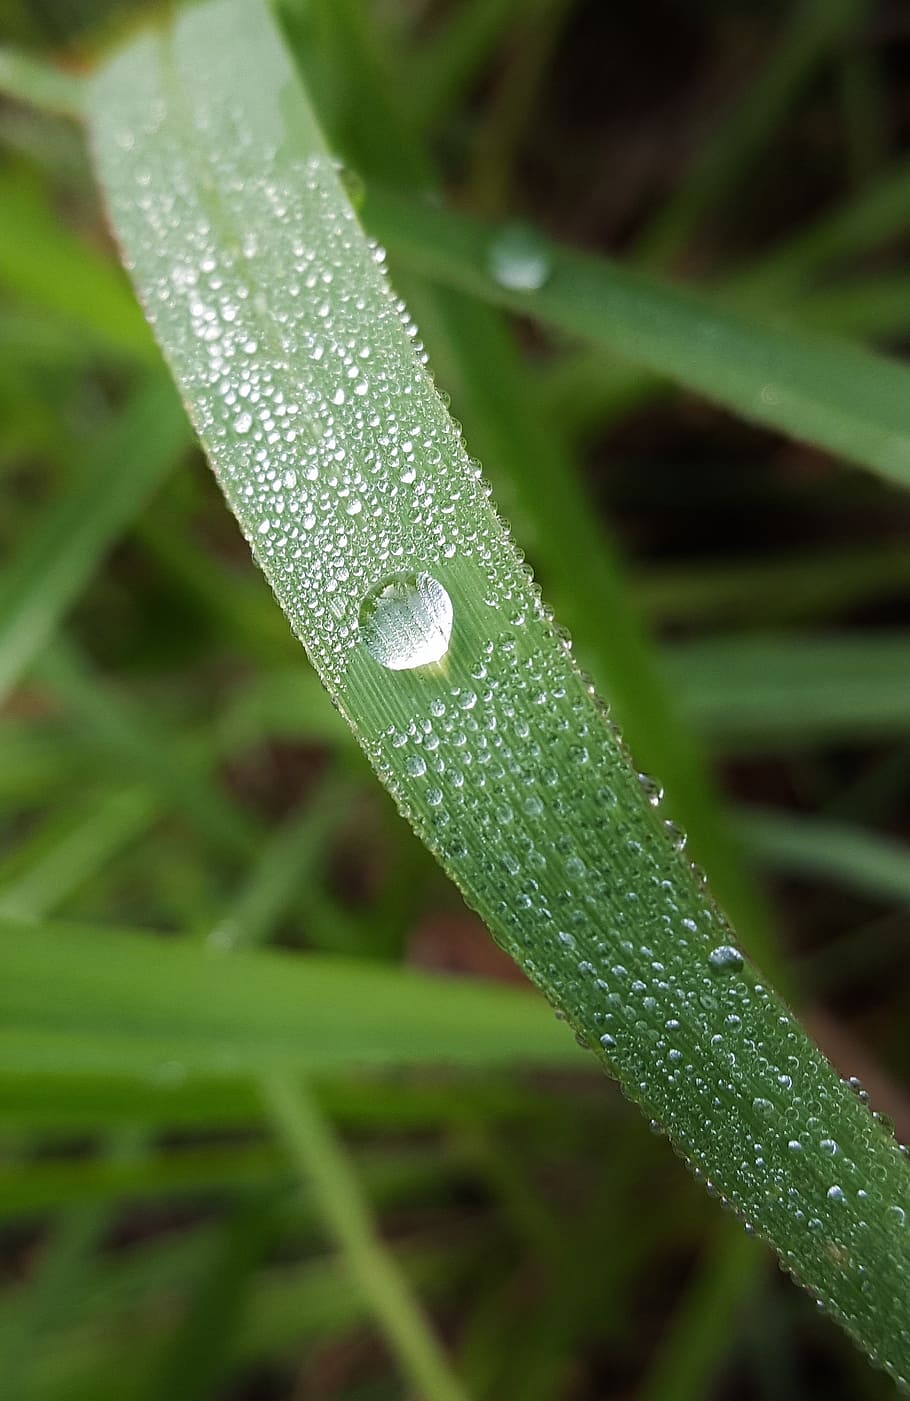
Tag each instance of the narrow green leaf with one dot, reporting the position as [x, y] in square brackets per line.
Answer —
[326, 1169]
[109, 489]
[44, 264]
[30, 80]
[80, 1001]
[827, 392]
[377, 535]
[839, 852]
[750, 692]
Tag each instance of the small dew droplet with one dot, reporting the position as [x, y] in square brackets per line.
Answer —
[406, 621]
[519, 259]
[725, 959]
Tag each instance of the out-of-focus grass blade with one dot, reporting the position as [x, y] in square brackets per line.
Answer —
[779, 589]
[31, 1188]
[836, 852]
[813, 27]
[44, 264]
[325, 1167]
[78, 1001]
[66, 853]
[109, 489]
[699, 1338]
[197, 1357]
[33, 81]
[747, 692]
[45, 1298]
[174, 767]
[65, 1103]
[833, 394]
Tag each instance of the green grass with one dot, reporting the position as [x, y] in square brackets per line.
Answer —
[192, 1126]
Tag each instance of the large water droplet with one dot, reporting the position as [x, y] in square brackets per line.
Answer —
[406, 621]
[519, 259]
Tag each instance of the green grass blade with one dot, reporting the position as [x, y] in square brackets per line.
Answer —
[109, 490]
[340, 461]
[30, 80]
[44, 264]
[46, 1299]
[812, 29]
[754, 692]
[324, 1165]
[838, 852]
[688, 1358]
[850, 401]
[478, 356]
[66, 853]
[79, 1001]
[197, 1358]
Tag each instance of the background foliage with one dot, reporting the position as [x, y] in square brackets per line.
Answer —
[168, 762]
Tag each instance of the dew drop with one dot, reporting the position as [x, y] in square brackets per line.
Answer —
[406, 621]
[519, 259]
[725, 959]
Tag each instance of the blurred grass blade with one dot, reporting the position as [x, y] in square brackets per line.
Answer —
[812, 29]
[838, 852]
[747, 692]
[197, 1358]
[50, 89]
[326, 1168]
[704, 1326]
[44, 264]
[79, 1001]
[110, 487]
[377, 535]
[70, 849]
[58, 1275]
[825, 392]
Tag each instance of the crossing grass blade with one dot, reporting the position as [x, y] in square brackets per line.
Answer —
[823, 391]
[77, 1001]
[349, 479]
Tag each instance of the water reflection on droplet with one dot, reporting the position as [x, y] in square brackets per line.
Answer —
[406, 621]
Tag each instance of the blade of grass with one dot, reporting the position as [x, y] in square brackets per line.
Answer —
[259, 213]
[836, 852]
[45, 1298]
[323, 1163]
[750, 692]
[454, 56]
[704, 1325]
[833, 394]
[197, 1359]
[480, 360]
[110, 487]
[179, 771]
[82, 1000]
[63, 857]
[813, 29]
[591, 389]
[779, 589]
[46, 265]
[36, 82]
[285, 864]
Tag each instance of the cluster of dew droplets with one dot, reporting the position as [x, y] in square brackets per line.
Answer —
[355, 490]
